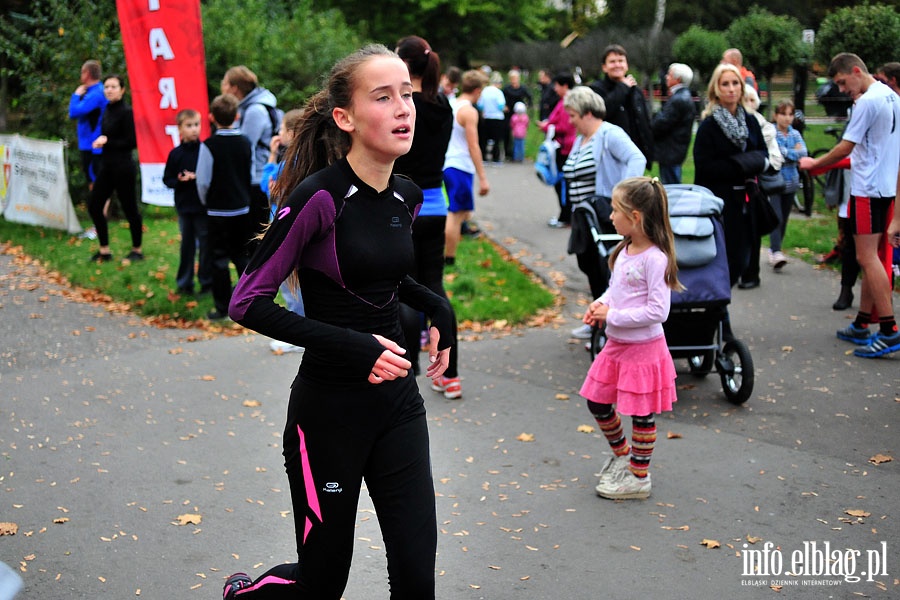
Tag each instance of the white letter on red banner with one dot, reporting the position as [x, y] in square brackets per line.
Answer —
[163, 42]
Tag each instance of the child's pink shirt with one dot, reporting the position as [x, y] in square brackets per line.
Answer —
[518, 124]
[638, 297]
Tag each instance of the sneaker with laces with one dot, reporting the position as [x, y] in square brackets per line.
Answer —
[858, 335]
[626, 486]
[611, 469]
[449, 386]
[881, 344]
[235, 583]
[582, 332]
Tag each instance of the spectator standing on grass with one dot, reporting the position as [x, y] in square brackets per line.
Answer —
[258, 120]
[513, 92]
[86, 106]
[673, 125]
[792, 148]
[180, 174]
[872, 141]
[223, 183]
[118, 172]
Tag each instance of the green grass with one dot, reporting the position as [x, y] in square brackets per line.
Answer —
[485, 286]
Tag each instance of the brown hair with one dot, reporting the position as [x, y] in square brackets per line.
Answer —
[93, 69]
[844, 63]
[224, 109]
[242, 78]
[648, 197]
[613, 49]
[784, 106]
[472, 80]
[423, 62]
[318, 142]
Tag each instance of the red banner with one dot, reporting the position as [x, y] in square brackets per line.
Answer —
[163, 41]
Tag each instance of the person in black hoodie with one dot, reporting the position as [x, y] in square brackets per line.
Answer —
[118, 171]
[424, 164]
[625, 103]
[180, 174]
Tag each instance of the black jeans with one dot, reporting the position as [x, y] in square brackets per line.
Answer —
[119, 176]
[228, 239]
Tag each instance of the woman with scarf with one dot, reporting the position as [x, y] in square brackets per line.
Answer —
[729, 149]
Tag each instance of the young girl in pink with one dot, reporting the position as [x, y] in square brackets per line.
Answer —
[634, 374]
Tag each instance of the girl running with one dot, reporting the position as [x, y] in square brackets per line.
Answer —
[634, 374]
[343, 228]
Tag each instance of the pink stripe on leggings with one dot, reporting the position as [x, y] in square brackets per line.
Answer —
[312, 496]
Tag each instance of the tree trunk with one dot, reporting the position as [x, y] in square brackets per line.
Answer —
[658, 19]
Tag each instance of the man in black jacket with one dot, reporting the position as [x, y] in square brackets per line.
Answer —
[625, 103]
[672, 125]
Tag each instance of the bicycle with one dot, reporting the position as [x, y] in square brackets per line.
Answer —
[803, 200]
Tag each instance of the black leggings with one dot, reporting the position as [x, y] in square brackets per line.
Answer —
[119, 176]
[428, 241]
[336, 436]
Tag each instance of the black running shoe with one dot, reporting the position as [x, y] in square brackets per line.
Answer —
[235, 583]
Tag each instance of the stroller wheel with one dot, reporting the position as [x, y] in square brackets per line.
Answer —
[701, 364]
[735, 367]
[598, 340]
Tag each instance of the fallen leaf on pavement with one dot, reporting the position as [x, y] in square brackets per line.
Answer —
[189, 519]
[880, 458]
[8, 528]
[585, 429]
[673, 436]
[710, 543]
[525, 437]
[856, 512]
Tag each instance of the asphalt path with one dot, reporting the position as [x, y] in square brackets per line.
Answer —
[146, 462]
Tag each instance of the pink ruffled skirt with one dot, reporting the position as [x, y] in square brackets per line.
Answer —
[638, 377]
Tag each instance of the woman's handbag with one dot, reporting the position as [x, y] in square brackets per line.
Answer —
[766, 217]
[772, 183]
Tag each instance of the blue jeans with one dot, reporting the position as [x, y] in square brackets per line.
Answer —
[669, 174]
[519, 149]
[293, 302]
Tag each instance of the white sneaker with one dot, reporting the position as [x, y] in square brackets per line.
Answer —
[611, 469]
[279, 347]
[582, 332]
[777, 260]
[625, 487]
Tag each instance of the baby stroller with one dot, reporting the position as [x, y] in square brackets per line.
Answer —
[694, 329]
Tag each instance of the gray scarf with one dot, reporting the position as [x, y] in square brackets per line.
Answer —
[733, 126]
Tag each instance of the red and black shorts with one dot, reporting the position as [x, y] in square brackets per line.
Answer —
[869, 215]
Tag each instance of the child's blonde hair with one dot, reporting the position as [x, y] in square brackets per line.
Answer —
[648, 197]
[185, 115]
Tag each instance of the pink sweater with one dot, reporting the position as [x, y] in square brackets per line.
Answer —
[638, 297]
[518, 124]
